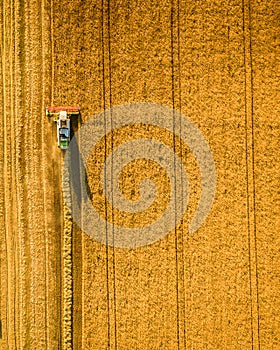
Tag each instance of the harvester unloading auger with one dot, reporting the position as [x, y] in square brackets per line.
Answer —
[61, 115]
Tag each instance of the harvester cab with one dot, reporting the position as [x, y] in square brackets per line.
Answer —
[61, 116]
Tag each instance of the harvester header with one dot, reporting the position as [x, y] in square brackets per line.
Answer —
[51, 111]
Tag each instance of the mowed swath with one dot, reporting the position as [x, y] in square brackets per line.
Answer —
[30, 270]
[215, 62]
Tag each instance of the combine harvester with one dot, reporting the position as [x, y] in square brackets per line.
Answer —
[61, 115]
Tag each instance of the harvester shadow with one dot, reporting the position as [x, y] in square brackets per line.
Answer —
[76, 123]
[77, 168]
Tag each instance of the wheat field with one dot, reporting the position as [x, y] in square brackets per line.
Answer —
[214, 64]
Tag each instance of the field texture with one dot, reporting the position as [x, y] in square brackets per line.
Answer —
[71, 279]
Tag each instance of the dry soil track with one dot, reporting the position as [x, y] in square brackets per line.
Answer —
[217, 62]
